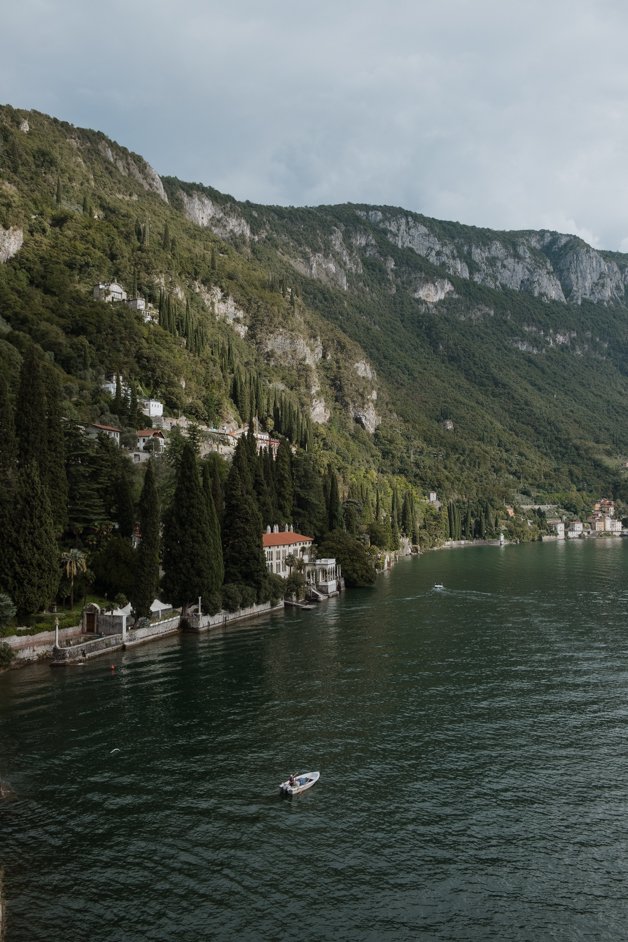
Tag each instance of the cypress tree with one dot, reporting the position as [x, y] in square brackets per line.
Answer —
[217, 573]
[30, 410]
[124, 508]
[262, 495]
[283, 482]
[268, 470]
[8, 476]
[118, 405]
[309, 502]
[242, 533]
[334, 507]
[241, 458]
[32, 574]
[186, 541]
[8, 444]
[134, 410]
[214, 462]
[86, 506]
[52, 461]
[146, 576]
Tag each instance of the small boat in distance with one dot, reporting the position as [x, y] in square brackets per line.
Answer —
[299, 783]
[438, 587]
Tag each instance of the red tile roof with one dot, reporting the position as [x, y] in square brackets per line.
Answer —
[285, 539]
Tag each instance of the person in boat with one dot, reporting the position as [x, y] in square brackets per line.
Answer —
[292, 780]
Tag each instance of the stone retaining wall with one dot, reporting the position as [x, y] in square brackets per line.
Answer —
[33, 647]
[205, 622]
[155, 630]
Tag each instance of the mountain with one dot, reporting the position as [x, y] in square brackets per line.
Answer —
[475, 363]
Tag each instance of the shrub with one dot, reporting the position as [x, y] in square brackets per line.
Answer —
[6, 654]
[214, 603]
[231, 597]
[248, 596]
[294, 585]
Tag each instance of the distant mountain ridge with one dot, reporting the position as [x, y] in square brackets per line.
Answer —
[463, 359]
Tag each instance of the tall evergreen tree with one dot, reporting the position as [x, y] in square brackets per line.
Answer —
[214, 462]
[52, 461]
[268, 470]
[30, 410]
[124, 507]
[32, 571]
[310, 515]
[215, 537]
[186, 541]
[8, 444]
[262, 495]
[86, 507]
[334, 507]
[146, 575]
[283, 482]
[242, 533]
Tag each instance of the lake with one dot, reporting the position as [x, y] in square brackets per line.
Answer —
[472, 744]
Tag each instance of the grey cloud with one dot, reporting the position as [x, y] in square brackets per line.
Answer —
[493, 113]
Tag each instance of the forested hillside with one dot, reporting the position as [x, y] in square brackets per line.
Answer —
[402, 354]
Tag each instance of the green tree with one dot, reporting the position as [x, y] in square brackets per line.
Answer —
[123, 502]
[334, 506]
[357, 568]
[146, 581]
[242, 533]
[84, 469]
[30, 410]
[283, 483]
[8, 445]
[32, 574]
[74, 563]
[7, 610]
[52, 460]
[113, 567]
[309, 501]
[186, 540]
[217, 573]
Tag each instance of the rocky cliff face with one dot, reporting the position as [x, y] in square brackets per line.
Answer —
[135, 167]
[11, 241]
[544, 264]
[207, 213]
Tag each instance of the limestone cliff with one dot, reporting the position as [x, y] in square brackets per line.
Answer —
[545, 264]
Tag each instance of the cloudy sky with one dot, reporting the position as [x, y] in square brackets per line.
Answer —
[495, 113]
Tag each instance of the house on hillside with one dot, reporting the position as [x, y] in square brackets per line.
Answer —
[109, 291]
[153, 408]
[151, 440]
[136, 304]
[110, 431]
[110, 387]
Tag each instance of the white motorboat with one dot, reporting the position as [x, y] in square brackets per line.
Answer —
[299, 783]
[438, 587]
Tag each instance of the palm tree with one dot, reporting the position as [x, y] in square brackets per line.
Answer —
[74, 562]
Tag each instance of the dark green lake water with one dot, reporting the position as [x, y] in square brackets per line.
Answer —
[472, 744]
